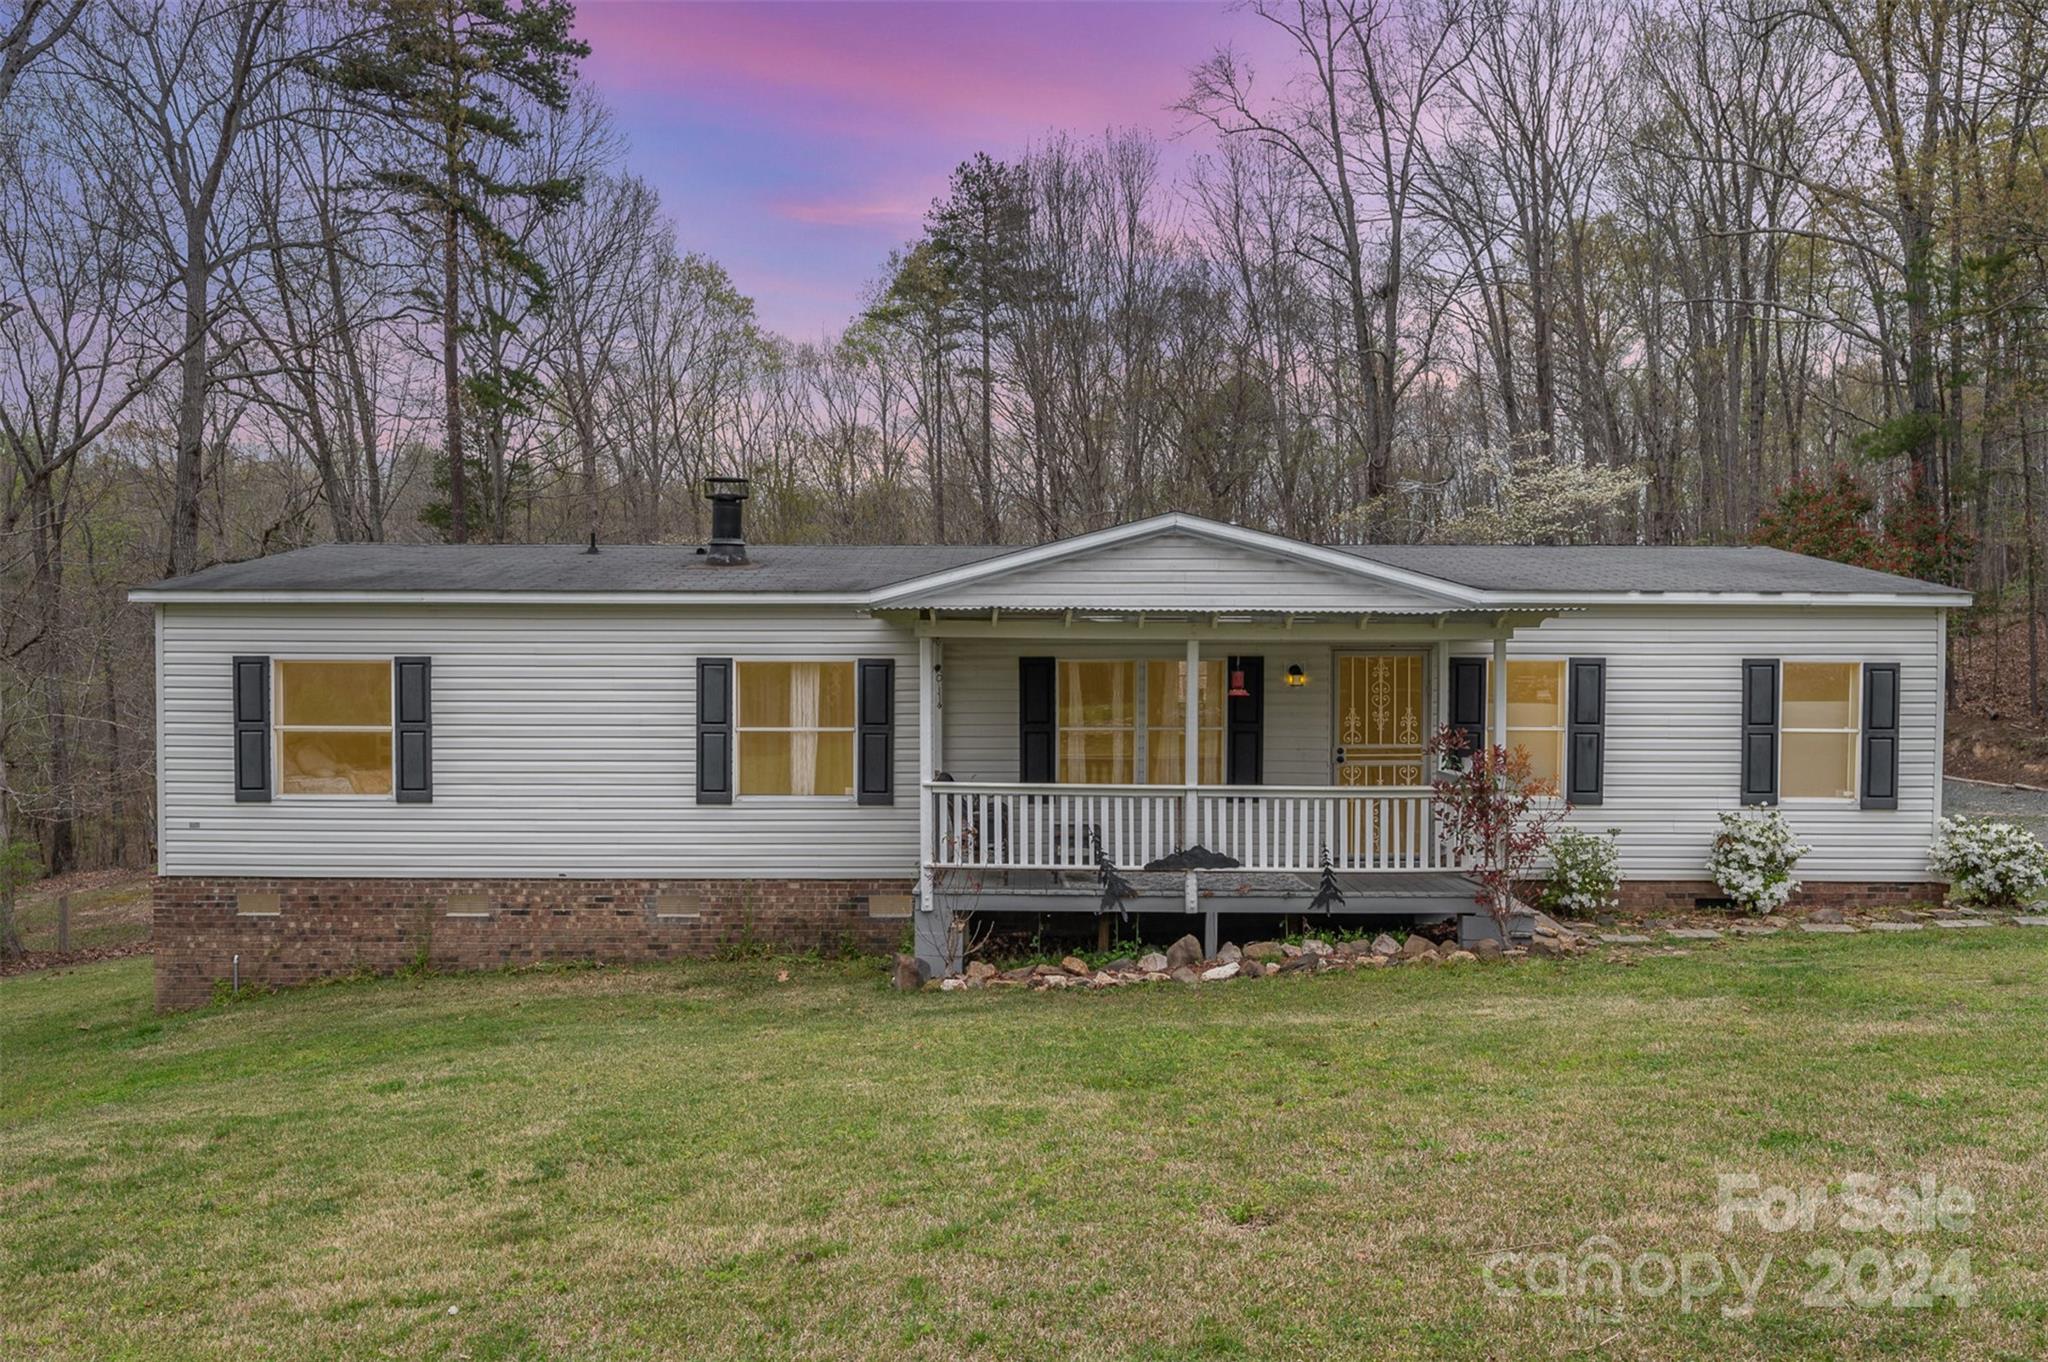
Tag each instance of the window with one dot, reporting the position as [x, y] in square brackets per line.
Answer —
[1166, 722]
[333, 728]
[795, 731]
[1817, 727]
[1536, 697]
[1098, 710]
[1102, 739]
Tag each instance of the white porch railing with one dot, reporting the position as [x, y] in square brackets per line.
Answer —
[1267, 827]
[1054, 827]
[1263, 827]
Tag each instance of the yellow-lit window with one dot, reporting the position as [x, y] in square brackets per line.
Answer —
[1535, 716]
[1817, 730]
[1166, 722]
[795, 730]
[1098, 712]
[333, 727]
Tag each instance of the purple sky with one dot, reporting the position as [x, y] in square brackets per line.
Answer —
[798, 141]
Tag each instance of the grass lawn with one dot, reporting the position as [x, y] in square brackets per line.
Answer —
[699, 1162]
[108, 908]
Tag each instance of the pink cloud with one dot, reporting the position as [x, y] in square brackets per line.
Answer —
[992, 65]
[827, 210]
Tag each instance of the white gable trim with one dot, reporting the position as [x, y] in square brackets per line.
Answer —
[1175, 522]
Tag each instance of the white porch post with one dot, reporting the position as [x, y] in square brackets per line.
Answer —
[1440, 664]
[1191, 756]
[927, 766]
[1497, 728]
[1191, 695]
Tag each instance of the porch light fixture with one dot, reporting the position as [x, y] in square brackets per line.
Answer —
[1296, 676]
[1237, 687]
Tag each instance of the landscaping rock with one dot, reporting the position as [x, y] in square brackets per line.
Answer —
[952, 984]
[1963, 922]
[1489, 949]
[1695, 934]
[1074, 964]
[1315, 947]
[1154, 963]
[1230, 953]
[1183, 974]
[1624, 939]
[910, 972]
[1548, 946]
[1461, 958]
[980, 971]
[1228, 970]
[2031, 920]
[1123, 964]
[1251, 969]
[1427, 958]
[1385, 945]
[1415, 946]
[1186, 951]
[1263, 951]
[1896, 927]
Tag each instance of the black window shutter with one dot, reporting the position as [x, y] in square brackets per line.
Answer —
[875, 731]
[414, 729]
[1759, 730]
[1037, 719]
[714, 730]
[252, 730]
[1245, 724]
[1468, 701]
[1881, 735]
[1586, 730]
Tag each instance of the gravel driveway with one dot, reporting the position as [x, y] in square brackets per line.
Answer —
[2026, 807]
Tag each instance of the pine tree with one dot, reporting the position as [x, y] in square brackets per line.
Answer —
[455, 77]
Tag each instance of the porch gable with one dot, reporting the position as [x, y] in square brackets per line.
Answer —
[1180, 570]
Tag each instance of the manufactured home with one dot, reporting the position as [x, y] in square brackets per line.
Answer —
[370, 754]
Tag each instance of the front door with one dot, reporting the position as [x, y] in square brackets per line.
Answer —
[1381, 720]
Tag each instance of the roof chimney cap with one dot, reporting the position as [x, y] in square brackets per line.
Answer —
[728, 545]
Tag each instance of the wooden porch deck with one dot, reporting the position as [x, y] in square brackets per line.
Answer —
[1229, 891]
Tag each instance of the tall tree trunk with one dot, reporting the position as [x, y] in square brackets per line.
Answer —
[188, 472]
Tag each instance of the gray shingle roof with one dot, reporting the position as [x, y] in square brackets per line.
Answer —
[815, 568]
[570, 568]
[1636, 567]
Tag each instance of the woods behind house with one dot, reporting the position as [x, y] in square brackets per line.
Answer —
[1536, 271]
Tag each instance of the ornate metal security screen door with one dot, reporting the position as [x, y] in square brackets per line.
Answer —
[1380, 736]
[1380, 719]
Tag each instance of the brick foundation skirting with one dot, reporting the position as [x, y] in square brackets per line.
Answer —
[294, 931]
[1670, 896]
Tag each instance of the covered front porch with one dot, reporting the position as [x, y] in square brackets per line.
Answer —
[1203, 764]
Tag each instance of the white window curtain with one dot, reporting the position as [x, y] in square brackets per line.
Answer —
[803, 719]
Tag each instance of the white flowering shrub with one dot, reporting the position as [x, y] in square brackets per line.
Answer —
[1585, 872]
[1998, 865]
[1753, 859]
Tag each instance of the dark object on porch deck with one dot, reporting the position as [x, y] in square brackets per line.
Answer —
[1196, 857]
[1328, 895]
[1115, 888]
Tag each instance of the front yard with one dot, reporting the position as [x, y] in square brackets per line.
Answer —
[700, 1161]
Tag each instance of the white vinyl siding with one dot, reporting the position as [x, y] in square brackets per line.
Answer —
[979, 724]
[1181, 572]
[564, 744]
[1673, 753]
[564, 736]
